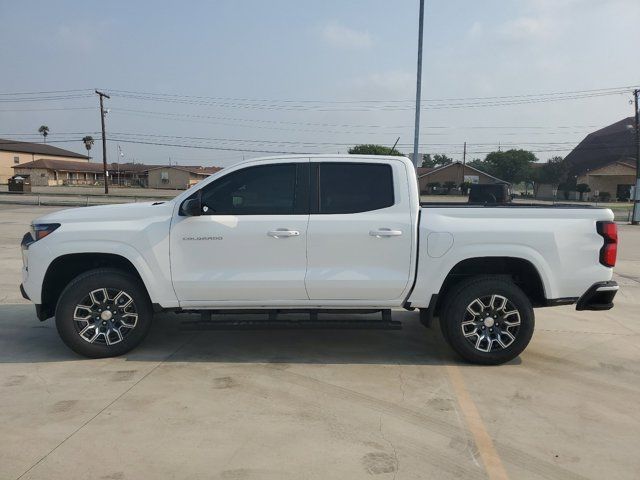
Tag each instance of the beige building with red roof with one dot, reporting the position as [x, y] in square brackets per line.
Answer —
[13, 152]
[178, 177]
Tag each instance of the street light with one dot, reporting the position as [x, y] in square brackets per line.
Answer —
[635, 218]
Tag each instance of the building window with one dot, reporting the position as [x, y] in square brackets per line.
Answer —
[16, 160]
[164, 176]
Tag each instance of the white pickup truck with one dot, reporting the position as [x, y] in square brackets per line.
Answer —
[317, 234]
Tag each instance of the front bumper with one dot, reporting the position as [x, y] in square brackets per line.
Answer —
[599, 296]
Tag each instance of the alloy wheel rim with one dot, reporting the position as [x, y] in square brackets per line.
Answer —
[491, 323]
[105, 316]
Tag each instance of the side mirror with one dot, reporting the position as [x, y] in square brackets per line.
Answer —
[191, 207]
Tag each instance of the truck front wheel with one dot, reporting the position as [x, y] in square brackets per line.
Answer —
[487, 320]
[103, 313]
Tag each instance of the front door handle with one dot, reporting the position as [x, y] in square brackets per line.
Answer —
[283, 233]
[385, 232]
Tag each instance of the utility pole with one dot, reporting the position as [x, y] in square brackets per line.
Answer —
[464, 162]
[635, 219]
[104, 141]
[416, 135]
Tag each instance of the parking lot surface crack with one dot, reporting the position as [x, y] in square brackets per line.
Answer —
[44, 457]
[393, 447]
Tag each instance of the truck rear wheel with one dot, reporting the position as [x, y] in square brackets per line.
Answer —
[103, 313]
[487, 320]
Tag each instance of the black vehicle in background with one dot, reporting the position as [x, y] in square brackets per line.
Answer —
[490, 193]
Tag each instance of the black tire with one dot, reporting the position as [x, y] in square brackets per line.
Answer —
[86, 289]
[425, 317]
[486, 342]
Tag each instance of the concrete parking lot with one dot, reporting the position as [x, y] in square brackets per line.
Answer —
[320, 404]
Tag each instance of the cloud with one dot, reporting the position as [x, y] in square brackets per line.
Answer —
[526, 28]
[396, 84]
[78, 37]
[476, 30]
[340, 36]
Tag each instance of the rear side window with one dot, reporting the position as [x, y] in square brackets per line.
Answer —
[354, 187]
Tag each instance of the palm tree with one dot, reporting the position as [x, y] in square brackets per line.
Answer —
[88, 143]
[44, 131]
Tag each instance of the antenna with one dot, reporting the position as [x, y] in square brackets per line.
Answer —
[394, 145]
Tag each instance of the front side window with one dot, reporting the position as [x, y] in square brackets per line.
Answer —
[354, 187]
[260, 190]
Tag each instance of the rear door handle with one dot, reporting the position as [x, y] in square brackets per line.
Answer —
[283, 232]
[385, 232]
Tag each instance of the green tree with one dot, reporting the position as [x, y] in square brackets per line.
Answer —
[371, 149]
[477, 163]
[441, 159]
[582, 188]
[44, 131]
[436, 160]
[553, 172]
[464, 187]
[448, 185]
[427, 161]
[514, 166]
[88, 143]
[432, 186]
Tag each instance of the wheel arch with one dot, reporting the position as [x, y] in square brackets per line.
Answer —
[65, 268]
[523, 273]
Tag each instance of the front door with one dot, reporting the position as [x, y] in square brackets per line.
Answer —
[360, 231]
[250, 241]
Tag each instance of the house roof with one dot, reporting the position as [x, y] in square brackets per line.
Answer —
[71, 166]
[610, 144]
[36, 149]
[467, 166]
[61, 165]
[424, 170]
[131, 167]
[198, 170]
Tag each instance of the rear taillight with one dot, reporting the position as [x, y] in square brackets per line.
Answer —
[609, 251]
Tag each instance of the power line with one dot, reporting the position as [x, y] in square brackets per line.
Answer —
[257, 150]
[178, 116]
[439, 105]
[43, 99]
[262, 100]
[45, 109]
[147, 136]
[203, 119]
[86, 90]
[290, 142]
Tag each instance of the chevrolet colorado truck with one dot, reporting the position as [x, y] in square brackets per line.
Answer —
[316, 234]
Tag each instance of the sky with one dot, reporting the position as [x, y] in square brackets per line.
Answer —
[242, 79]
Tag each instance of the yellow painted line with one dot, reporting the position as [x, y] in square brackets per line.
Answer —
[490, 459]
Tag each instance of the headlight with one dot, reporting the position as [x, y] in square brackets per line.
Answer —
[41, 230]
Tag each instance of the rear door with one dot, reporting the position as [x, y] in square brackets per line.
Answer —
[359, 236]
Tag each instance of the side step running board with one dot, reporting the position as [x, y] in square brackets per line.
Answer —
[211, 320]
